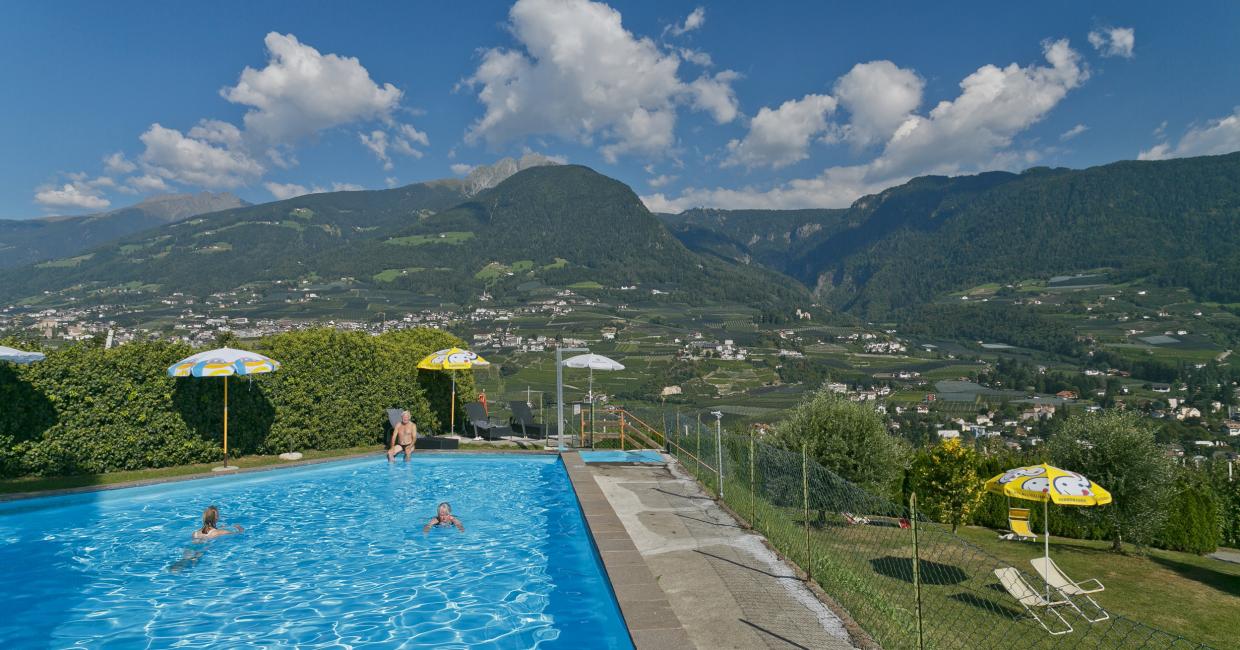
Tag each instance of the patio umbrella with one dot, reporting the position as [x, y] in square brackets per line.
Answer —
[223, 362]
[18, 356]
[592, 362]
[451, 360]
[1046, 483]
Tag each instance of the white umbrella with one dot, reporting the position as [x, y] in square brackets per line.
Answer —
[592, 362]
[223, 362]
[18, 356]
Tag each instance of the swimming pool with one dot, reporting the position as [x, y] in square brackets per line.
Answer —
[333, 555]
[617, 456]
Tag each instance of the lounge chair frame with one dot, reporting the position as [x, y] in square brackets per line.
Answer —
[1069, 588]
[1029, 598]
[523, 419]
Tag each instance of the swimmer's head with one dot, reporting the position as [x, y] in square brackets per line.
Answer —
[444, 509]
[210, 517]
[404, 416]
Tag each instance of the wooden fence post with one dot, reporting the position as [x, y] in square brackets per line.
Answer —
[809, 558]
[753, 503]
[912, 517]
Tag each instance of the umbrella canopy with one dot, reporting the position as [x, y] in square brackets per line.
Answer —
[223, 362]
[453, 359]
[593, 362]
[1047, 483]
[18, 356]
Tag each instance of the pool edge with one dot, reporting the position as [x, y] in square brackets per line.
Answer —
[17, 496]
[647, 613]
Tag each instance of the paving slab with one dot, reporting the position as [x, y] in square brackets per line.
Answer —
[724, 585]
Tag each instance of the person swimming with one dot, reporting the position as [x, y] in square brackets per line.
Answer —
[443, 517]
[210, 529]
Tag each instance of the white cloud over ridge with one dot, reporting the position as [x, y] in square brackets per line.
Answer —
[1114, 41]
[581, 76]
[1216, 137]
[975, 130]
[780, 137]
[75, 195]
[1073, 132]
[290, 190]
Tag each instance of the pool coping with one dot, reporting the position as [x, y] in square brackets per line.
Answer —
[17, 496]
[647, 613]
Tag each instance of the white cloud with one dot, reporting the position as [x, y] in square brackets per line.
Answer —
[973, 131]
[400, 141]
[780, 137]
[694, 20]
[580, 75]
[289, 190]
[696, 57]
[147, 183]
[76, 195]
[1218, 136]
[391, 181]
[302, 91]
[285, 190]
[461, 169]
[196, 161]
[660, 180]
[1114, 41]
[117, 163]
[879, 96]
[1073, 132]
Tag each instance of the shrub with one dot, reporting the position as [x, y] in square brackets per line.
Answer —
[848, 438]
[1192, 523]
[946, 478]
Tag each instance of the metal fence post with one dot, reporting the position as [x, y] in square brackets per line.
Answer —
[912, 517]
[699, 442]
[809, 559]
[719, 455]
[753, 503]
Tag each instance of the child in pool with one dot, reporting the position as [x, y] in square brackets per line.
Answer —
[209, 530]
[443, 517]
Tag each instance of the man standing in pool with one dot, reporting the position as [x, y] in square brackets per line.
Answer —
[443, 517]
[404, 437]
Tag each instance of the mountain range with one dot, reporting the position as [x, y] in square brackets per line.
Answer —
[519, 226]
[28, 241]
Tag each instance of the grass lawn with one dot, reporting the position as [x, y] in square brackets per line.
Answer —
[867, 569]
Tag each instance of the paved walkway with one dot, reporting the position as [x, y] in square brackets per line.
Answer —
[726, 587]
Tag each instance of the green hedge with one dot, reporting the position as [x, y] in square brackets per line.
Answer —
[87, 410]
[1193, 523]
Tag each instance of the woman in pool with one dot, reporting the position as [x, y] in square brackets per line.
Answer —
[209, 530]
[443, 517]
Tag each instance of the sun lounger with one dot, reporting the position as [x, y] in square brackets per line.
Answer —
[523, 421]
[482, 425]
[1018, 523]
[854, 519]
[1060, 581]
[1018, 588]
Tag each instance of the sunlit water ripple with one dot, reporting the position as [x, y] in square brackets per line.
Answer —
[333, 556]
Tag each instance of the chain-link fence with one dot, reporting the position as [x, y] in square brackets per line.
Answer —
[907, 581]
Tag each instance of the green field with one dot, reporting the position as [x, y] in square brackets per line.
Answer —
[452, 237]
[67, 262]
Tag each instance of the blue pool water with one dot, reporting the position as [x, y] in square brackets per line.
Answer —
[617, 456]
[333, 556]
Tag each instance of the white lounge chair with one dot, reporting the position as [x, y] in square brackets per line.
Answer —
[1056, 578]
[1030, 599]
[854, 520]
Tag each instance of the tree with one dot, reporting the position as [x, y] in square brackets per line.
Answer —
[945, 477]
[848, 438]
[1118, 451]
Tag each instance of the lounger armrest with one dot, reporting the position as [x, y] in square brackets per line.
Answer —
[1086, 589]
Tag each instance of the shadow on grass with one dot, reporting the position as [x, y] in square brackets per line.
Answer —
[969, 598]
[1224, 582]
[932, 573]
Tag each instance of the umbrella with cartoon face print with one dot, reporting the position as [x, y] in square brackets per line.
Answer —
[1048, 484]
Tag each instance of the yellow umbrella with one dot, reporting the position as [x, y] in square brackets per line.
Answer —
[1046, 483]
[453, 359]
[223, 362]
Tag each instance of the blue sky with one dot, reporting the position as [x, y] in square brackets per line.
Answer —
[726, 104]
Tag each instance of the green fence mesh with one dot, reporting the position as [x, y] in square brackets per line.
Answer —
[907, 581]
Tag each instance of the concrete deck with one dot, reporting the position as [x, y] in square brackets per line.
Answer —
[726, 588]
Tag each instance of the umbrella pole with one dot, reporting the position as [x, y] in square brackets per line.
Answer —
[225, 420]
[452, 407]
[1046, 538]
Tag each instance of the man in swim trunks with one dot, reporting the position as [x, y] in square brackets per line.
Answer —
[443, 517]
[404, 437]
